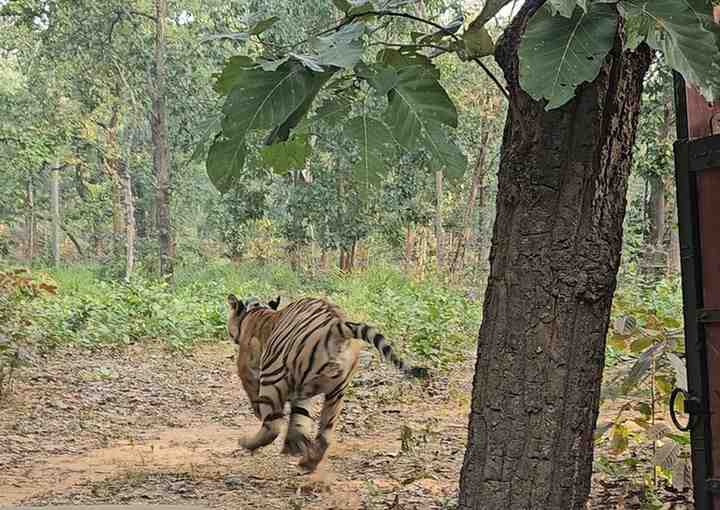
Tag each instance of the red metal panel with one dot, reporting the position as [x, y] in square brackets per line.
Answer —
[704, 120]
[702, 115]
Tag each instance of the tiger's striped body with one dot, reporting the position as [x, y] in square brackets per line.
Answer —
[294, 354]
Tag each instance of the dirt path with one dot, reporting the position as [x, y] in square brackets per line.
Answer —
[142, 425]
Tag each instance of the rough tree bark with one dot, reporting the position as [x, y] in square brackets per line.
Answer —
[556, 249]
[161, 164]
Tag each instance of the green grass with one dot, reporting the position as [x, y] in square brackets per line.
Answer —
[429, 319]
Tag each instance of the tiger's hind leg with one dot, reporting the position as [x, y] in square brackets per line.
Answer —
[271, 401]
[297, 440]
[316, 451]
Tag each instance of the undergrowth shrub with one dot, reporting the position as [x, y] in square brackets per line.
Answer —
[18, 287]
[427, 318]
[645, 357]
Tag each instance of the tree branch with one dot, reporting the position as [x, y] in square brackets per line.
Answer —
[441, 29]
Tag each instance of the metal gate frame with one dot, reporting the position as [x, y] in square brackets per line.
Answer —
[697, 177]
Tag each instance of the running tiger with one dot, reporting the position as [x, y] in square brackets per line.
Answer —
[294, 354]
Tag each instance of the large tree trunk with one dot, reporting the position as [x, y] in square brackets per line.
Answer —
[55, 213]
[556, 249]
[161, 165]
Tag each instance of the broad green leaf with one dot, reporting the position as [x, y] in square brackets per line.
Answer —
[334, 110]
[342, 5]
[416, 101]
[619, 439]
[233, 71]
[478, 42]
[557, 54]
[381, 77]
[372, 138]
[399, 59]
[562, 7]
[445, 156]
[642, 365]
[342, 49]
[225, 162]
[262, 99]
[679, 29]
[285, 156]
[282, 132]
[259, 99]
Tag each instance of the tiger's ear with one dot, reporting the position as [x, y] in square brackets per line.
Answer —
[235, 304]
[274, 304]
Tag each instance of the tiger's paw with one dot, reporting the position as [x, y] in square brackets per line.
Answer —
[314, 455]
[245, 446]
[296, 445]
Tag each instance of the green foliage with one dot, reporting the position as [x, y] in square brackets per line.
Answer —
[256, 99]
[18, 288]
[279, 93]
[681, 31]
[566, 44]
[427, 318]
[647, 337]
[558, 52]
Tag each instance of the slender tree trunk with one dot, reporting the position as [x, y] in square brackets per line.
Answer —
[161, 164]
[55, 213]
[323, 260]
[477, 182]
[109, 163]
[97, 237]
[409, 247]
[556, 249]
[439, 233]
[353, 256]
[129, 210]
[656, 213]
[30, 220]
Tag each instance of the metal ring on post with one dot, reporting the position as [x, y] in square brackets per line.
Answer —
[673, 416]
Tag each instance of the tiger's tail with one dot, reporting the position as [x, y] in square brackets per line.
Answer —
[374, 337]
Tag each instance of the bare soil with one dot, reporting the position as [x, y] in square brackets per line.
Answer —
[146, 425]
